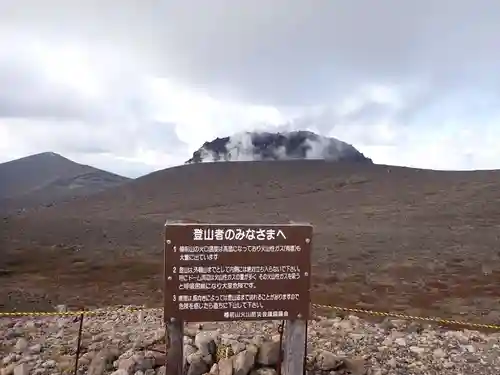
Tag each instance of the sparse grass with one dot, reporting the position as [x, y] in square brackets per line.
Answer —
[405, 241]
[405, 287]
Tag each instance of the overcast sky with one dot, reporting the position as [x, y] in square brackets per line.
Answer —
[136, 85]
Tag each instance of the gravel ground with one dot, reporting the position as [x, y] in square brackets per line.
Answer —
[119, 342]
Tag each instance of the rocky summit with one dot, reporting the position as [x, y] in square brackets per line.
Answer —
[119, 342]
[265, 146]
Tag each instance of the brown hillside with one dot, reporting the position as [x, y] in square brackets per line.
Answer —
[389, 238]
[47, 178]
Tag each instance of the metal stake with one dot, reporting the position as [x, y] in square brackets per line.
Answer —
[79, 342]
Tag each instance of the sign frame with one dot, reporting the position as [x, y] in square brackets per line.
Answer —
[273, 263]
[295, 328]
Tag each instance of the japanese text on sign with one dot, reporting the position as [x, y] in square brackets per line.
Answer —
[238, 234]
[250, 272]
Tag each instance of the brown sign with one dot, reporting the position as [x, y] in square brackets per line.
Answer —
[216, 272]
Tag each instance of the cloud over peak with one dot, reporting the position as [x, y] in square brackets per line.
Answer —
[263, 146]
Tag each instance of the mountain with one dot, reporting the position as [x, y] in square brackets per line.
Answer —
[385, 238]
[253, 146]
[49, 178]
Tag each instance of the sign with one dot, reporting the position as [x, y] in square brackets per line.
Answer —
[216, 272]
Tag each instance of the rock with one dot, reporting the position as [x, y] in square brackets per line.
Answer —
[214, 370]
[9, 359]
[194, 357]
[448, 365]
[96, 346]
[8, 370]
[21, 345]
[49, 364]
[30, 325]
[244, 362]
[387, 324]
[159, 359]
[127, 365]
[102, 361]
[13, 333]
[66, 364]
[470, 348]
[197, 366]
[415, 327]
[417, 350]
[439, 353]
[206, 342]
[400, 341]
[188, 352]
[327, 361]
[400, 348]
[393, 363]
[237, 347]
[264, 371]
[22, 369]
[228, 338]
[345, 325]
[61, 308]
[278, 337]
[387, 341]
[355, 366]
[357, 336]
[269, 353]
[257, 340]
[143, 363]
[209, 360]
[35, 349]
[225, 366]
[399, 323]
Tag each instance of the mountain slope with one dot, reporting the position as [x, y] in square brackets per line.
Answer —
[385, 238]
[259, 146]
[48, 178]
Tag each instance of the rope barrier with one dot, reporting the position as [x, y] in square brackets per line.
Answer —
[438, 320]
[409, 317]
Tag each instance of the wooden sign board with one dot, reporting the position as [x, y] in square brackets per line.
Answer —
[221, 272]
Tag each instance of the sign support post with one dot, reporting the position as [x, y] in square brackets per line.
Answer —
[175, 344]
[294, 347]
[174, 330]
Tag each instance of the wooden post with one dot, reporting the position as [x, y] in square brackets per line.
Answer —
[175, 344]
[295, 342]
[294, 347]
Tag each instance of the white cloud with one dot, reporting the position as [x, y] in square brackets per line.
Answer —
[201, 117]
[134, 86]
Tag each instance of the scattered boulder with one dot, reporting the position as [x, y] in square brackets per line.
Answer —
[225, 366]
[244, 361]
[103, 361]
[22, 369]
[269, 353]
[336, 346]
[21, 345]
[198, 366]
